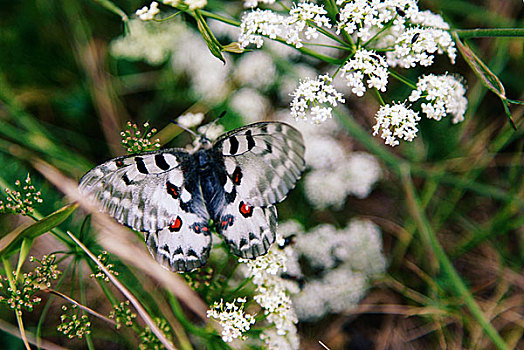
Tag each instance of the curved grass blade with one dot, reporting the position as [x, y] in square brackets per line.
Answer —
[9, 242]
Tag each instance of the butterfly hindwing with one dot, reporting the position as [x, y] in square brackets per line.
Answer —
[263, 161]
[249, 231]
[183, 245]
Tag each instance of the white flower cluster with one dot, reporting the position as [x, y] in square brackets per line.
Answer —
[366, 18]
[300, 17]
[147, 14]
[310, 98]
[273, 296]
[302, 21]
[368, 64]
[418, 46]
[334, 172]
[429, 19]
[195, 4]
[396, 122]
[250, 104]
[254, 3]
[190, 120]
[212, 131]
[148, 41]
[411, 36]
[445, 95]
[348, 257]
[232, 318]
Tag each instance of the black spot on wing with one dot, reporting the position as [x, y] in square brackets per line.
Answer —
[140, 165]
[234, 145]
[250, 140]
[160, 162]
[126, 180]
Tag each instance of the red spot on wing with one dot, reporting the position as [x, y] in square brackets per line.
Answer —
[245, 209]
[119, 163]
[176, 225]
[237, 176]
[172, 190]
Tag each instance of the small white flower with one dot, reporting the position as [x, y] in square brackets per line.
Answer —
[429, 19]
[195, 4]
[366, 64]
[147, 40]
[360, 171]
[147, 14]
[299, 21]
[325, 188]
[190, 120]
[314, 98]
[256, 23]
[232, 318]
[445, 95]
[365, 18]
[173, 3]
[254, 3]
[272, 291]
[250, 104]
[396, 122]
[418, 45]
[212, 131]
[256, 69]
[350, 256]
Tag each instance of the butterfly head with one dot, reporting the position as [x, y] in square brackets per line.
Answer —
[203, 142]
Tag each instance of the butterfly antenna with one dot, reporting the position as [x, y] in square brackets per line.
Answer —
[215, 121]
[184, 128]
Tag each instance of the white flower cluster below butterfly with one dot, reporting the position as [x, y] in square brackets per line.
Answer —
[171, 194]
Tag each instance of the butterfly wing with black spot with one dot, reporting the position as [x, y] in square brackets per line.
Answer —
[182, 246]
[249, 231]
[157, 193]
[263, 161]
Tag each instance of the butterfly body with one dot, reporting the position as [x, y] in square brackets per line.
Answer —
[171, 194]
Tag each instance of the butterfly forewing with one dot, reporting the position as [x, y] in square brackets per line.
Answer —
[263, 161]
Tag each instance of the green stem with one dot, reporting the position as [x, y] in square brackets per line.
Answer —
[457, 284]
[220, 18]
[330, 35]
[330, 46]
[496, 32]
[402, 79]
[379, 97]
[163, 20]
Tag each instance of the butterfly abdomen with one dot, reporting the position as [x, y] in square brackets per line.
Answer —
[211, 175]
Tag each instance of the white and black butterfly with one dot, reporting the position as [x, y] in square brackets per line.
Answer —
[171, 194]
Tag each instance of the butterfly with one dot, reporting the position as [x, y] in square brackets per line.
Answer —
[172, 194]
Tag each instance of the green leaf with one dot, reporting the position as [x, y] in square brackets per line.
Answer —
[24, 252]
[9, 242]
[212, 43]
[486, 76]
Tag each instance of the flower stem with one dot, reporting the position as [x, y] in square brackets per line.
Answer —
[496, 32]
[402, 79]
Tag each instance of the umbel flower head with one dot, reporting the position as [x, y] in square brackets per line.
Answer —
[314, 98]
[231, 316]
[21, 200]
[444, 94]
[136, 141]
[396, 122]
